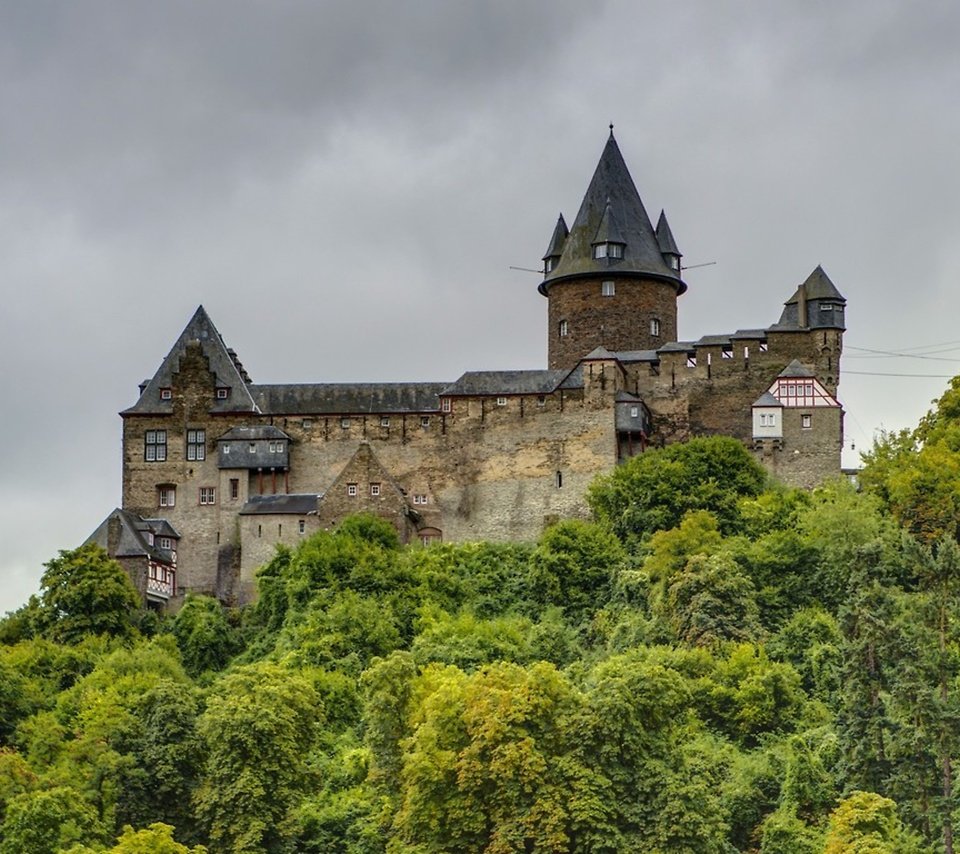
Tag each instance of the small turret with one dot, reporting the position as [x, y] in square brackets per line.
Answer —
[668, 246]
[555, 249]
[816, 304]
[609, 241]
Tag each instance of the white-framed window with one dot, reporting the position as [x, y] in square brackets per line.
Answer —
[155, 446]
[307, 423]
[166, 496]
[276, 447]
[501, 401]
[302, 526]
[419, 498]
[252, 448]
[564, 329]
[634, 411]
[352, 490]
[208, 495]
[608, 250]
[768, 419]
[445, 404]
[806, 421]
[424, 421]
[384, 420]
[655, 327]
[541, 400]
[196, 444]
[345, 423]
[374, 489]
[166, 394]
[223, 393]
[226, 448]
[549, 264]
[165, 543]
[608, 289]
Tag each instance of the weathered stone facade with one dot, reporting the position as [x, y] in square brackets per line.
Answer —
[236, 467]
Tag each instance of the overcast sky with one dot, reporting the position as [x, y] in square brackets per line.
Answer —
[345, 185]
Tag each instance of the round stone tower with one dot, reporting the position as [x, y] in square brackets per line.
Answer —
[611, 280]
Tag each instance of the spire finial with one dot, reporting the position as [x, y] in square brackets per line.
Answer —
[611, 128]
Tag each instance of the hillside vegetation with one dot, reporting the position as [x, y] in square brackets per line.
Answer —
[713, 665]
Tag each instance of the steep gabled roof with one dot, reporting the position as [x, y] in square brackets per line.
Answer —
[796, 369]
[612, 186]
[224, 365]
[132, 540]
[767, 399]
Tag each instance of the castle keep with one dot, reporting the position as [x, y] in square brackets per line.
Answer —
[218, 469]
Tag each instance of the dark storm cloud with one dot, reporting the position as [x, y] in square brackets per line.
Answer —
[294, 165]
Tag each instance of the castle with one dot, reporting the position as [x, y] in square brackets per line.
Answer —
[217, 469]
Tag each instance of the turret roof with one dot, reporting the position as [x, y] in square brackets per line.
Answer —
[559, 237]
[612, 187]
[817, 286]
[665, 236]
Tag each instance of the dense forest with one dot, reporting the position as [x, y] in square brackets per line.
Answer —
[714, 664]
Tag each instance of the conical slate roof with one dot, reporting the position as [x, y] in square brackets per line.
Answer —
[224, 365]
[612, 186]
[560, 233]
[665, 236]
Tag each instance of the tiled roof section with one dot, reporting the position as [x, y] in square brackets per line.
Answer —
[297, 504]
[225, 367]
[626, 356]
[132, 541]
[818, 286]
[266, 431]
[560, 232]
[574, 379]
[745, 334]
[347, 398]
[612, 183]
[505, 382]
[767, 399]
[668, 246]
[795, 369]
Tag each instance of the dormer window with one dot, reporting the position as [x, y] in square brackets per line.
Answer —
[223, 393]
[673, 261]
[166, 394]
[549, 264]
[608, 250]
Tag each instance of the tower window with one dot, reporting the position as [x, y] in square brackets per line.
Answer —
[302, 524]
[445, 404]
[655, 327]
[608, 250]
[564, 329]
[167, 496]
[351, 489]
[608, 289]
[234, 488]
[208, 495]
[806, 421]
[374, 489]
[549, 264]
[559, 480]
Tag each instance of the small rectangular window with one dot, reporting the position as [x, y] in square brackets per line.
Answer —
[559, 480]
[541, 400]
[167, 496]
[351, 489]
[445, 404]
[600, 250]
[501, 401]
[345, 423]
[166, 394]
[223, 393]
[226, 448]
[384, 421]
[234, 488]
[424, 421]
[655, 327]
[608, 289]
[806, 421]
[208, 495]
[374, 489]
[615, 250]
[634, 411]
[564, 328]
[252, 448]
[165, 543]
[419, 498]
[307, 423]
[302, 525]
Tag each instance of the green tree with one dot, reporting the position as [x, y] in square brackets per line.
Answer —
[155, 839]
[866, 823]
[652, 491]
[48, 820]
[258, 727]
[84, 592]
[205, 637]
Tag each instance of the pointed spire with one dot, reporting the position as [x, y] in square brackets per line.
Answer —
[560, 232]
[609, 230]
[611, 186]
[668, 246]
[819, 286]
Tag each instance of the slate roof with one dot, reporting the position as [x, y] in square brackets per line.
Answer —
[559, 237]
[767, 399]
[295, 504]
[795, 369]
[612, 187]
[637, 356]
[743, 334]
[133, 541]
[600, 353]
[678, 347]
[226, 367]
[713, 341]
[665, 236]
[818, 286]
[505, 382]
[245, 434]
[347, 398]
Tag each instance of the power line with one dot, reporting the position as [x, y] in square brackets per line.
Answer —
[917, 376]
